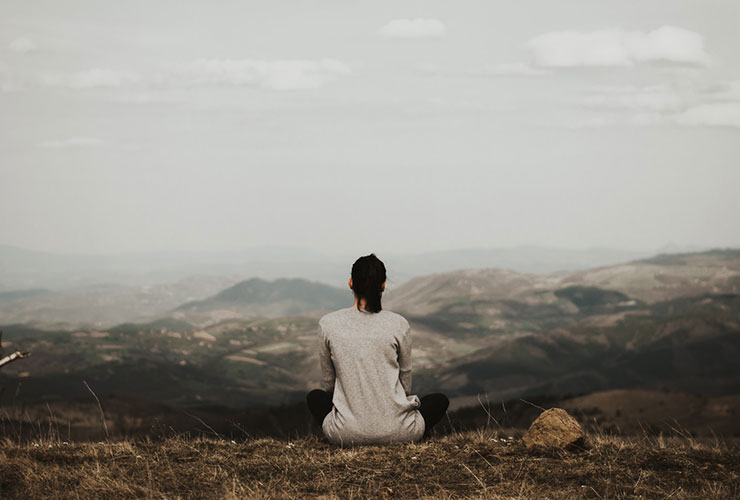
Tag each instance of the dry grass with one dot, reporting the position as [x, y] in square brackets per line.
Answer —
[474, 465]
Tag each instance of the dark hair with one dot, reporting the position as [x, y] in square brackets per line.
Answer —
[368, 275]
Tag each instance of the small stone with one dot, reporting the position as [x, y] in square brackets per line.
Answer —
[554, 428]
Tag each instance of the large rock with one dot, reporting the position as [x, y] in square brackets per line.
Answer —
[554, 428]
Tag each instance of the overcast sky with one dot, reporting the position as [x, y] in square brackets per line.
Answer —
[386, 126]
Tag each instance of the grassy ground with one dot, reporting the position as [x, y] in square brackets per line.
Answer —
[474, 465]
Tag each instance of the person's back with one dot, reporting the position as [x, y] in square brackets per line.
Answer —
[366, 362]
[365, 355]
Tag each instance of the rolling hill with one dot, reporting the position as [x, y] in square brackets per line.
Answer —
[670, 322]
[256, 297]
[103, 305]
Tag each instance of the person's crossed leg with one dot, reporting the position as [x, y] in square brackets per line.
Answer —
[319, 404]
[433, 407]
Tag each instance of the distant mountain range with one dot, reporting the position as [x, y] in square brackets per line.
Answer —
[104, 305]
[255, 298]
[668, 321]
[104, 290]
[23, 269]
[671, 321]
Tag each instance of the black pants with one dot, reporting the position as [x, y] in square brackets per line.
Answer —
[433, 407]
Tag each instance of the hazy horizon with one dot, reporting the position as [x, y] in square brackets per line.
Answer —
[393, 127]
[669, 247]
[28, 269]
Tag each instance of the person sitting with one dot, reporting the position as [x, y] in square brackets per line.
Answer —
[365, 358]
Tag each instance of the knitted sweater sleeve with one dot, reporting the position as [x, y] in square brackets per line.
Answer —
[328, 374]
[404, 360]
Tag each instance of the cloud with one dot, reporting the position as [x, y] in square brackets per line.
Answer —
[645, 119]
[716, 104]
[504, 70]
[275, 75]
[411, 29]
[74, 142]
[718, 114]
[615, 47]
[650, 98]
[641, 119]
[22, 45]
[712, 114]
[729, 90]
[147, 98]
[592, 122]
[514, 69]
[94, 78]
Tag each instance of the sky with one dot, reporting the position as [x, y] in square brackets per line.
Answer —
[358, 126]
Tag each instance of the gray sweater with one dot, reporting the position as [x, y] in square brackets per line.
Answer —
[366, 361]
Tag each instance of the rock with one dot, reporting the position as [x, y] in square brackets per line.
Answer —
[554, 428]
